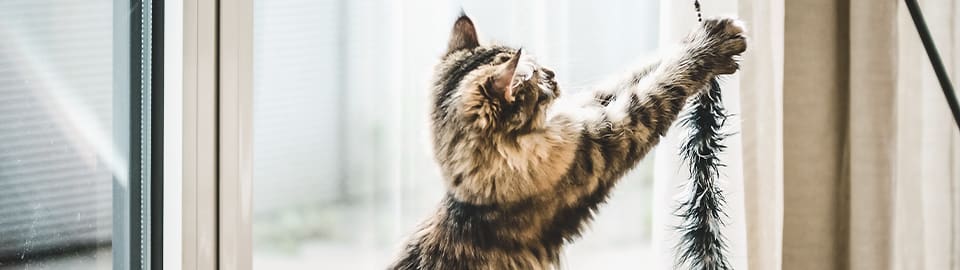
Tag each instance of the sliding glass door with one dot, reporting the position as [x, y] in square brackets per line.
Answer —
[75, 133]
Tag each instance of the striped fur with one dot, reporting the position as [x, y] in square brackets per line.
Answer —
[525, 168]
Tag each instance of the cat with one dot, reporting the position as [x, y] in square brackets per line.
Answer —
[526, 167]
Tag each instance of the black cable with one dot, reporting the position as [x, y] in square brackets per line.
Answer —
[935, 60]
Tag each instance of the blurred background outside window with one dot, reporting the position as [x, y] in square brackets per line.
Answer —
[343, 166]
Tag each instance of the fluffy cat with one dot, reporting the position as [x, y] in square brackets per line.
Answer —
[526, 167]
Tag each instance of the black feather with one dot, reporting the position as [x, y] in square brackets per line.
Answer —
[702, 245]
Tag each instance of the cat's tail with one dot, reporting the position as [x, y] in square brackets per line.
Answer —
[702, 245]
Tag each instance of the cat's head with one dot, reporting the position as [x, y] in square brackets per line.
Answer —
[489, 87]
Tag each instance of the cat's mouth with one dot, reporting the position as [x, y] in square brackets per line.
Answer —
[551, 90]
[555, 89]
[548, 83]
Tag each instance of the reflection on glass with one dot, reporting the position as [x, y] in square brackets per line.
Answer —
[59, 146]
[343, 169]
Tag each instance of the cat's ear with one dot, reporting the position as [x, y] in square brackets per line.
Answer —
[463, 35]
[506, 73]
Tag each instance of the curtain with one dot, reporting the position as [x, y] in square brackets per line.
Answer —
[927, 205]
[762, 130]
[850, 155]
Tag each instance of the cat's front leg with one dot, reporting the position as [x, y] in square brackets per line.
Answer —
[633, 121]
[613, 132]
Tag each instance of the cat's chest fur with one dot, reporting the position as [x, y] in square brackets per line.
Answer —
[501, 169]
[494, 222]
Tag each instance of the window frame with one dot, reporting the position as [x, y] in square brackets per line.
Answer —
[191, 134]
[156, 140]
[236, 134]
[138, 127]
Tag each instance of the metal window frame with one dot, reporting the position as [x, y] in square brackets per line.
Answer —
[125, 118]
[137, 195]
[155, 210]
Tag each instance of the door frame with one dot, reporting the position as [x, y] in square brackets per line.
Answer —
[207, 155]
[236, 134]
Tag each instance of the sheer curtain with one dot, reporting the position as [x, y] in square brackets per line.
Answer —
[762, 131]
[850, 154]
[926, 198]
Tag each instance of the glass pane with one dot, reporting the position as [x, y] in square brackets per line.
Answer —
[69, 159]
[343, 166]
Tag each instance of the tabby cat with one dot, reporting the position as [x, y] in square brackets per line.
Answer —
[525, 167]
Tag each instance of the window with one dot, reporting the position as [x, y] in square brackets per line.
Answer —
[343, 170]
[75, 133]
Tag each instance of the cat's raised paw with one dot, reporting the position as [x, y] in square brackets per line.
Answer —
[729, 33]
[717, 42]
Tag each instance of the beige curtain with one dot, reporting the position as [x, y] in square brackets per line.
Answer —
[762, 79]
[927, 208]
[851, 159]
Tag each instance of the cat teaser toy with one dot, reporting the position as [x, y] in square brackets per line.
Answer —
[702, 244]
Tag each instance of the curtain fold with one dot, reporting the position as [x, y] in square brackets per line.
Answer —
[869, 150]
[813, 123]
[761, 100]
[927, 211]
